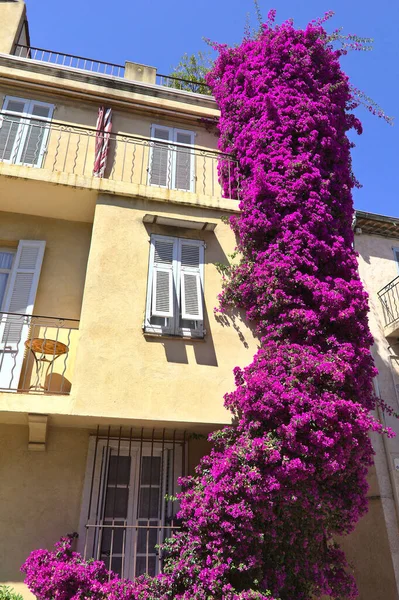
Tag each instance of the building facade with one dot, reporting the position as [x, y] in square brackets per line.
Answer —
[113, 364]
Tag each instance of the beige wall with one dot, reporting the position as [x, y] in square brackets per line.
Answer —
[12, 15]
[122, 373]
[40, 494]
[377, 268]
[71, 151]
[125, 121]
[63, 272]
[59, 292]
[367, 551]
[40, 500]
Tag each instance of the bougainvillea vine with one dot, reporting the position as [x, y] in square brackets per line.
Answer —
[289, 475]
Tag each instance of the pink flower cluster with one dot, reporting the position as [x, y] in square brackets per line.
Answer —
[260, 517]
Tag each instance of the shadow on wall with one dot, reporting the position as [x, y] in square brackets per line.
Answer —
[233, 319]
[176, 348]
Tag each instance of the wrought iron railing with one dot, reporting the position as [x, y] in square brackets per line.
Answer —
[128, 506]
[57, 147]
[178, 83]
[36, 353]
[389, 298]
[104, 68]
[69, 60]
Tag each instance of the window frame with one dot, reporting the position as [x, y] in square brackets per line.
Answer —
[95, 482]
[172, 324]
[395, 250]
[13, 251]
[26, 117]
[172, 147]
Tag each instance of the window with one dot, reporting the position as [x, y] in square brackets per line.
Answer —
[24, 130]
[126, 511]
[19, 279]
[396, 256]
[6, 261]
[175, 287]
[171, 158]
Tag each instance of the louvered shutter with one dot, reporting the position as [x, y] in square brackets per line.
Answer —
[37, 131]
[22, 287]
[11, 129]
[184, 161]
[191, 259]
[160, 157]
[19, 299]
[23, 139]
[163, 255]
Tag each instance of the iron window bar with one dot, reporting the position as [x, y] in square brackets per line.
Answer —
[128, 508]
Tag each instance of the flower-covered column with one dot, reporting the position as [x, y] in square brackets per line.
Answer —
[289, 475]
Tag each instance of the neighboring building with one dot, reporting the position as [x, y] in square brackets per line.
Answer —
[377, 242]
[112, 362]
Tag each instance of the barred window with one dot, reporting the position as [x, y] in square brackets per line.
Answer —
[127, 511]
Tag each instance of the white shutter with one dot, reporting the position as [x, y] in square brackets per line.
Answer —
[36, 135]
[22, 287]
[160, 157]
[163, 255]
[11, 128]
[184, 161]
[20, 298]
[191, 259]
[10, 137]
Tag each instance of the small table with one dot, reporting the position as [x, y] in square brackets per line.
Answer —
[44, 347]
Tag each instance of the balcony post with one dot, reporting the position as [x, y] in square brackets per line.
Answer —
[138, 72]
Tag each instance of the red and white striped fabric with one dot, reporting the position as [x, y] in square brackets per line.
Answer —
[103, 128]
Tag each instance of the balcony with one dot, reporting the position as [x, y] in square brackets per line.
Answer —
[37, 353]
[66, 154]
[389, 298]
[104, 68]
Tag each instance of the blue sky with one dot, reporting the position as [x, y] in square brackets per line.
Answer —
[158, 33]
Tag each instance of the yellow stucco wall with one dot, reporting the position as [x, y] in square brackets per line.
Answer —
[377, 268]
[41, 501]
[70, 154]
[122, 373]
[12, 15]
[40, 494]
[60, 288]
[63, 272]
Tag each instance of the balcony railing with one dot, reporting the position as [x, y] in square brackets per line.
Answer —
[104, 68]
[389, 298]
[36, 353]
[57, 147]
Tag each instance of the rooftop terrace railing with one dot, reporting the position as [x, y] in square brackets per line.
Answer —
[69, 60]
[57, 147]
[103, 68]
[389, 298]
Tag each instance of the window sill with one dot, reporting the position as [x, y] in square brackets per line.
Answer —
[178, 338]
